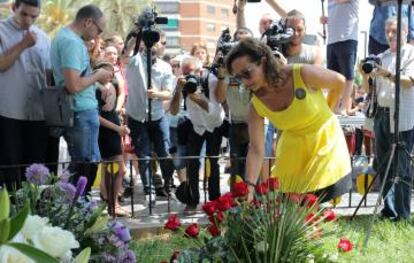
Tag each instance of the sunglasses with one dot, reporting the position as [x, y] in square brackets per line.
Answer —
[97, 26]
[164, 43]
[247, 72]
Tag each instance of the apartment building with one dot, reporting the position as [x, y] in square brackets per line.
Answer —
[191, 21]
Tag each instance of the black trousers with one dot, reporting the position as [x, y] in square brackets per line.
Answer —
[21, 143]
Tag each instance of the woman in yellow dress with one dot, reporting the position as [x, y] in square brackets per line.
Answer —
[311, 154]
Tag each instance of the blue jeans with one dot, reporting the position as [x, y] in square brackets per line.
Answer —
[239, 145]
[397, 193]
[82, 138]
[194, 145]
[146, 136]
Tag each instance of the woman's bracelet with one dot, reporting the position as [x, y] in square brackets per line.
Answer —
[249, 183]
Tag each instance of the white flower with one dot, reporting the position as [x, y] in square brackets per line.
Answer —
[55, 241]
[11, 255]
[33, 225]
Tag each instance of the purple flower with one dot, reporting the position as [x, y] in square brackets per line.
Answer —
[80, 186]
[37, 174]
[108, 258]
[64, 177]
[121, 232]
[128, 257]
[68, 189]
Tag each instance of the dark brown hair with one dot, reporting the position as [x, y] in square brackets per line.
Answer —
[257, 50]
[201, 45]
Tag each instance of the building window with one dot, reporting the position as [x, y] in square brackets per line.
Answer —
[211, 10]
[168, 8]
[171, 25]
[211, 27]
[173, 41]
[224, 12]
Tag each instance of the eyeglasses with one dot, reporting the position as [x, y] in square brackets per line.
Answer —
[247, 72]
[175, 65]
[97, 26]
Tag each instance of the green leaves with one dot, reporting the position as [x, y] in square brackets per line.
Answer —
[4, 230]
[84, 256]
[4, 204]
[17, 222]
[33, 253]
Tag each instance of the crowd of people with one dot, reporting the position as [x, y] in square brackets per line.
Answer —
[268, 103]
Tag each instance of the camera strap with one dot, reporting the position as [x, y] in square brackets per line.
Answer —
[204, 83]
[372, 99]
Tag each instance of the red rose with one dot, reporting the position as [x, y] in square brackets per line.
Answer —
[173, 222]
[310, 200]
[344, 245]
[273, 183]
[192, 230]
[217, 218]
[255, 203]
[261, 189]
[214, 230]
[210, 207]
[240, 189]
[310, 218]
[329, 215]
[295, 198]
[225, 202]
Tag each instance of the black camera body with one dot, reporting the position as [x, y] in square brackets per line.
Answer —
[370, 63]
[193, 82]
[225, 44]
[148, 18]
[278, 36]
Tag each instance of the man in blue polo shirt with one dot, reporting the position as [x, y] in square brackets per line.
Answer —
[71, 68]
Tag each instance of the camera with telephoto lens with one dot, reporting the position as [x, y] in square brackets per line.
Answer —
[192, 83]
[278, 36]
[370, 63]
[224, 45]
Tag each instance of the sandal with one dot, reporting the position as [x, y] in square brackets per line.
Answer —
[121, 212]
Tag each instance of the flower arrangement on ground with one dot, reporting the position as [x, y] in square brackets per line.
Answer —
[273, 227]
[64, 206]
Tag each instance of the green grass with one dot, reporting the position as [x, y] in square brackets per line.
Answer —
[389, 242]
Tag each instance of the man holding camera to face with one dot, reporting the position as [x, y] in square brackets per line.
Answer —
[206, 116]
[397, 193]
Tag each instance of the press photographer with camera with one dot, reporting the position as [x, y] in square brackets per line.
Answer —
[205, 118]
[291, 97]
[147, 119]
[396, 196]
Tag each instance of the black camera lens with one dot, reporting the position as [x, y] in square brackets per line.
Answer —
[192, 83]
[368, 67]
[370, 63]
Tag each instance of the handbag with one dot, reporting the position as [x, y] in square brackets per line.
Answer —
[58, 106]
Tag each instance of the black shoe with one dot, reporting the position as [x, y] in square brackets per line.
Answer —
[127, 192]
[161, 192]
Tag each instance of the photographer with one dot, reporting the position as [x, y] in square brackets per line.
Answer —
[206, 116]
[396, 196]
[147, 134]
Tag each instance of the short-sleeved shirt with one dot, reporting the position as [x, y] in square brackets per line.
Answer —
[238, 98]
[136, 76]
[21, 84]
[343, 21]
[69, 52]
[386, 89]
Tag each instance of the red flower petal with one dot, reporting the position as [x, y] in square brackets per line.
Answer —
[329, 215]
[173, 222]
[344, 245]
[192, 230]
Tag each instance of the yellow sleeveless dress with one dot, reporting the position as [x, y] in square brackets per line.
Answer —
[311, 153]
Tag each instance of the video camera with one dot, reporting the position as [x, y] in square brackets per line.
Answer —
[370, 63]
[278, 36]
[145, 28]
